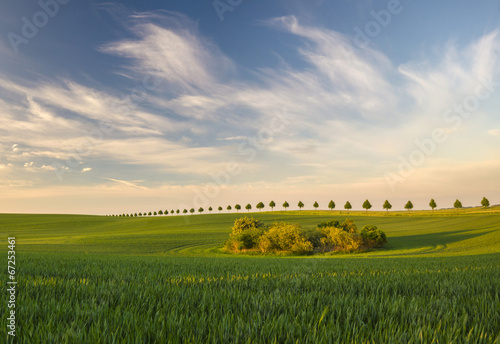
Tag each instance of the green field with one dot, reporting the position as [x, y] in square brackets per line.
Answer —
[96, 279]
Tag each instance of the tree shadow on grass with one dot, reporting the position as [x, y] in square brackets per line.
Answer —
[431, 242]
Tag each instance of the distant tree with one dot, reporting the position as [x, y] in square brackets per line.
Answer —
[172, 211]
[272, 205]
[185, 211]
[387, 205]
[191, 210]
[165, 212]
[367, 205]
[201, 210]
[160, 212]
[177, 211]
[228, 208]
[286, 205]
[301, 205]
[260, 206]
[135, 214]
[348, 206]
[220, 208]
[140, 214]
[485, 203]
[155, 213]
[432, 204]
[210, 209]
[127, 215]
[248, 207]
[331, 205]
[315, 205]
[409, 205]
[457, 204]
[149, 214]
[237, 207]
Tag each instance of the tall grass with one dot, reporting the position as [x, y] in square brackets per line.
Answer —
[103, 299]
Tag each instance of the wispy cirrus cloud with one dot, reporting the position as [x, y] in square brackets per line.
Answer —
[351, 111]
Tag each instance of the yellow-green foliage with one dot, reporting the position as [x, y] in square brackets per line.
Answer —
[245, 234]
[283, 237]
[250, 234]
[337, 239]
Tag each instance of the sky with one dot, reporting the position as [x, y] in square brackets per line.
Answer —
[133, 106]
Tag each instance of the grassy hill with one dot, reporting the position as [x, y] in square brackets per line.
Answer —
[438, 233]
[97, 279]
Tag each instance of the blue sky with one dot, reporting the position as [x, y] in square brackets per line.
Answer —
[132, 106]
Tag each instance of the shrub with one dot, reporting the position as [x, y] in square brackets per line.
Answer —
[283, 236]
[348, 226]
[245, 234]
[331, 223]
[314, 235]
[340, 240]
[373, 237]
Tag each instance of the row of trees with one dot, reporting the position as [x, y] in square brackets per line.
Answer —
[331, 205]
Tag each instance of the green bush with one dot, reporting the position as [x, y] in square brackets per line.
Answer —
[348, 226]
[282, 237]
[337, 239]
[331, 223]
[373, 237]
[250, 234]
[245, 234]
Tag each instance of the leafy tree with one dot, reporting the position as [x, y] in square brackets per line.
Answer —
[201, 210]
[220, 208]
[135, 214]
[367, 205]
[184, 211]
[348, 206]
[485, 203]
[331, 205]
[229, 208]
[155, 213]
[272, 205]
[260, 206]
[286, 205]
[248, 207]
[409, 205]
[140, 214]
[127, 215]
[432, 204]
[191, 210]
[210, 209]
[315, 205]
[301, 205]
[237, 207]
[165, 212]
[149, 213]
[457, 204]
[172, 211]
[160, 212]
[177, 211]
[387, 205]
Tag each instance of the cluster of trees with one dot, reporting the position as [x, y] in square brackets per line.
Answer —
[331, 205]
[249, 234]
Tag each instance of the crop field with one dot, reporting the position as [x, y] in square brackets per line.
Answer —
[95, 279]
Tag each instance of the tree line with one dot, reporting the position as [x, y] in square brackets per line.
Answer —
[331, 205]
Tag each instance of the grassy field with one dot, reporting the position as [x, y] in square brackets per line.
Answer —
[94, 279]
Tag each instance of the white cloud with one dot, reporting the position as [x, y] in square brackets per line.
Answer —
[494, 132]
[86, 169]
